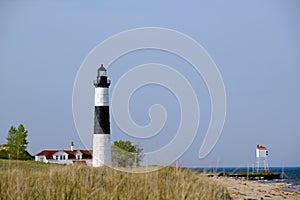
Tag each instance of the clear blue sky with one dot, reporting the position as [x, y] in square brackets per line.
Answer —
[255, 44]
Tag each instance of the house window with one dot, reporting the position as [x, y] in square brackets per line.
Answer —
[57, 157]
[64, 157]
[78, 157]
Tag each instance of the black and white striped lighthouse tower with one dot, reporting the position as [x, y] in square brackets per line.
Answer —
[101, 140]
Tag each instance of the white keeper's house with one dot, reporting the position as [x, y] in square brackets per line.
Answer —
[65, 157]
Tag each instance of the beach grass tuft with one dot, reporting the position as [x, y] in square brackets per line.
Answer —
[33, 180]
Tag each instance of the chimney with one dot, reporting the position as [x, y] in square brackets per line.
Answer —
[72, 145]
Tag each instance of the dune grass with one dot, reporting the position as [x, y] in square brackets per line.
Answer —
[32, 180]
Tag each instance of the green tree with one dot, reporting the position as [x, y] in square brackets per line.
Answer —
[125, 154]
[17, 142]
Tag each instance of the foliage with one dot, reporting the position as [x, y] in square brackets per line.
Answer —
[125, 154]
[35, 180]
[17, 142]
[3, 154]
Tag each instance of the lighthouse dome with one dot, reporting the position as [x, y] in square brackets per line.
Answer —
[101, 71]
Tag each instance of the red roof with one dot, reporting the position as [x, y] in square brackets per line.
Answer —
[47, 153]
[261, 147]
[86, 154]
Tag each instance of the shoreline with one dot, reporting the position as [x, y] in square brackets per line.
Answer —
[240, 189]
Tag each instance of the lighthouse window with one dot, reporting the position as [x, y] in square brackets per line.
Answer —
[102, 73]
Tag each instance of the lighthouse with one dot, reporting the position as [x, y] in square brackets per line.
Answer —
[101, 136]
[262, 153]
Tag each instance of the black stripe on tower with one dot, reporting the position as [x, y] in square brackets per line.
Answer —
[102, 82]
[101, 120]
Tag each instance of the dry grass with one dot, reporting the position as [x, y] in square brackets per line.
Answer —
[31, 180]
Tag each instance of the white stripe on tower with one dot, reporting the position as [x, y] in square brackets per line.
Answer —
[101, 96]
[101, 150]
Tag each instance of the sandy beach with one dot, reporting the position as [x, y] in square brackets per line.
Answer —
[243, 189]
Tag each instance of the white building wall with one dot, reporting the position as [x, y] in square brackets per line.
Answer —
[41, 159]
[261, 153]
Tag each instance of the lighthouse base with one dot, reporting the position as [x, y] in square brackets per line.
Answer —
[101, 150]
